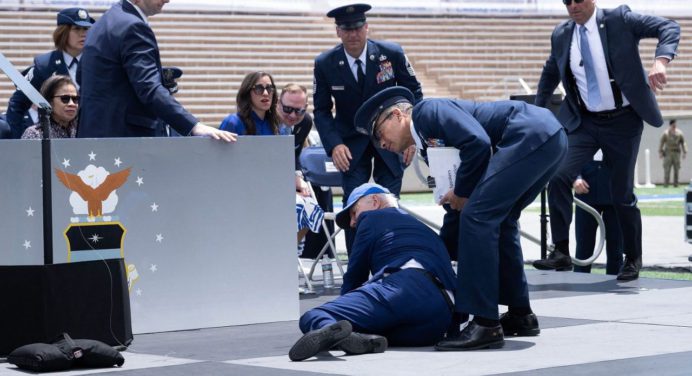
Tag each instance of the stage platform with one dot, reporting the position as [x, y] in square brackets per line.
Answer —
[591, 325]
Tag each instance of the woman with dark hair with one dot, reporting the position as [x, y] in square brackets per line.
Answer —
[61, 93]
[68, 37]
[256, 105]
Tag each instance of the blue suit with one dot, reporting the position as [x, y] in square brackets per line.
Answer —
[335, 85]
[508, 150]
[619, 134]
[44, 66]
[598, 177]
[121, 81]
[403, 305]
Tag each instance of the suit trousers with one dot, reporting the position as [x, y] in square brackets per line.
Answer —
[585, 227]
[406, 307]
[619, 140]
[491, 264]
[360, 174]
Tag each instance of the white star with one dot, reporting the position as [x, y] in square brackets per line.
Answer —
[30, 212]
[138, 292]
[153, 268]
[154, 207]
[66, 162]
[95, 238]
[27, 244]
[159, 238]
[92, 156]
[117, 162]
[140, 181]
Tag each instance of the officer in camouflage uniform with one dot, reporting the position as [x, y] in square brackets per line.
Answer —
[672, 144]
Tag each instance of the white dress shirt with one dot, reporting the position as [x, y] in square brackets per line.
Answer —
[352, 62]
[144, 16]
[598, 56]
[72, 71]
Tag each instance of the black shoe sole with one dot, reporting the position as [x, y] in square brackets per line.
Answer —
[627, 279]
[356, 345]
[319, 340]
[491, 345]
[559, 269]
[522, 332]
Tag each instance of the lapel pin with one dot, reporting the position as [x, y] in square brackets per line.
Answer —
[383, 57]
[58, 61]
[372, 57]
[341, 62]
[602, 26]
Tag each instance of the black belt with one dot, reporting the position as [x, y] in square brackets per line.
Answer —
[610, 114]
[439, 286]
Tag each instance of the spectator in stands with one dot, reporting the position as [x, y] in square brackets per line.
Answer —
[256, 104]
[593, 187]
[121, 83]
[595, 55]
[509, 150]
[68, 39]
[62, 95]
[671, 146]
[408, 299]
[350, 73]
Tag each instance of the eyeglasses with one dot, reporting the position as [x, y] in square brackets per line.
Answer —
[65, 99]
[569, 2]
[377, 130]
[259, 89]
[288, 109]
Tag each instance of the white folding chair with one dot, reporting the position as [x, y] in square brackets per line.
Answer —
[318, 169]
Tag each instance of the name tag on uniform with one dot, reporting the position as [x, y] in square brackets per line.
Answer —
[337, 88]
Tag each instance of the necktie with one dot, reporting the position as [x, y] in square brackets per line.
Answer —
[594, 94]
[360, 74]
[74, 63]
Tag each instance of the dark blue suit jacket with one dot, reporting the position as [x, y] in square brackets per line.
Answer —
[121, 81]
[44, 66]
[620, 30]
[480, 129]
[388, 238]
[334, 79]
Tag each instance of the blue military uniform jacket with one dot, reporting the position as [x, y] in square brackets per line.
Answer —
[44, 66]
[620, 30]
[388, 238]
[386, 66]
[480, 129]
[121, 80]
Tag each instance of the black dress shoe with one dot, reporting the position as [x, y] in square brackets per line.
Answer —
[555, 261]
[519, 325]
[319, 340]
[630, 270]
[359, 343]
[474, 337]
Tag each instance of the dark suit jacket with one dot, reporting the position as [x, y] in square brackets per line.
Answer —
[620, 30]
[480, 129]
[44, 66]
[388, 238]
[121, 81]
[334, 79]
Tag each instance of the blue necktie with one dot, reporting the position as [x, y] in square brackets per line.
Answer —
[591, 80]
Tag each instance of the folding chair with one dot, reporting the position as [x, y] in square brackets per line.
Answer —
[318, 169]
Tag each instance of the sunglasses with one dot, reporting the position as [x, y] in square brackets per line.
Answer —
[65, 99]
[287, 110]
[569, 2]
[259, 89]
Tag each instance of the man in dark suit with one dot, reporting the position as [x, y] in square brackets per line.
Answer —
[408, 299]
[68, 38]
[593, 187]
[508, 150]
[595, 55]
[121, 80]
[345, 77]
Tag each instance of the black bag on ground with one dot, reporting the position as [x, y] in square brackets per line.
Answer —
[65, 353]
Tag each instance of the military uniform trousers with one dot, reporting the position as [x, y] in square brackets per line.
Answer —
[491, 264]
[406, 307]
[671, 160]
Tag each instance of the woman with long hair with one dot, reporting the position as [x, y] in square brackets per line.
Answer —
[256, 106]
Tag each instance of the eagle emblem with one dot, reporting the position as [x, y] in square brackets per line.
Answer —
[93, 186]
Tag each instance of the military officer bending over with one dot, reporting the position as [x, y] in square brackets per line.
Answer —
[508, 150]
[407, 301]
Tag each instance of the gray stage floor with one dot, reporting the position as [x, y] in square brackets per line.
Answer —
[591, 325]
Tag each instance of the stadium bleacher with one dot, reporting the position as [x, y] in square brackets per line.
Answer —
[471, 57]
